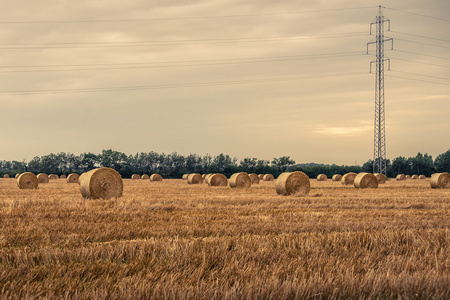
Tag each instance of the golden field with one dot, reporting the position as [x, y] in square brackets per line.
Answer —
[171, 240]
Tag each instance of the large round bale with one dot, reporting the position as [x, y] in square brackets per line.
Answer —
[73, 178]
[27, 180]
[63, 176]
[440, 181]
[381, 178]
[241, 180]
[6, 176]
[145, 177]
[185, 176]
[336, 177]
[261, 176]
[135, 177]
[322, 177]
[195, 178]
[217, 180]
[400, 177]
[104, 183]
[415, 176]
[53, 176]
[422, 177]
[17, 175]
[366, 181]
[42, 177]
[254, 177]
[292, 183]
[268, 177]
[156, 177]
[348, 178]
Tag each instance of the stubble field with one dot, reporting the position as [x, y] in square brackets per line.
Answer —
[171, 240]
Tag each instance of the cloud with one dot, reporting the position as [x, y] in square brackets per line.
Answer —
[358, 129]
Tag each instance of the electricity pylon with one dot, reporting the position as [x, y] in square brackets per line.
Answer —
[379, 139]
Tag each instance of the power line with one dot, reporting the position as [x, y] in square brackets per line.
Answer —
[416, 74]
[421, 43]
[186, 18]
[419, 80]
[422, 36]
[416, 14]
[179, 85]
[415, 53]
[423, 63]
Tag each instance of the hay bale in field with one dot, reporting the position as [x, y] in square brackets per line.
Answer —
[415, 176]
[407, 176]
[42, 177]
[217, 180]
[204, 176]
[53, 176]
[102, 183]
[63, 176]
[241, 180]
[292, 183]
[261, 176]
[17, 175]
[268, 177]
[440, 181]
[381, 178]
[195, 178]
[366, 181]
[254, 177]
[185, 176]
[422, 177]
[73, 178]
[156, 177]
[6, 176]
[145, 177]
[322, 177]
[27, 180]
[348, 178]
[135, 176]
[336, 177]
[207, 177]
[400, 177]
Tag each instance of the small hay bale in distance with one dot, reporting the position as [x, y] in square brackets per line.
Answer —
[72, 178]
[366, 181]
[53, 176]
[440, 181]
[381, 178]
[42, 177]
[207, 177]
[254, 177]
[322, 177]
[145, 177]
[27, 180]
[204, 176]
[268, 177]
[135, 177]
[104, 183]
[63, 176]
[292, 183]
[6, 176]
[17, 175]
[407, 176]
[422, 177]
[241, 180]
[185, 176]
[156, 177]
[348, 178]
[400, 177]
[336, 177]
[415, 176]
[261, 176]
[195, 178]
[217, 180]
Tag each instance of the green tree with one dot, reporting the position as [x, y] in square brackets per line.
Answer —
[442, 162]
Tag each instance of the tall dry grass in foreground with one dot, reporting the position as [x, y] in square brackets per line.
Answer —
[170, 240]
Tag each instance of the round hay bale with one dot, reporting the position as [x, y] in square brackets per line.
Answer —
[6, 176]
[53, 176]
[145, 177]
[204, 176]
[292, 183]
[217, 180]
[407, 176]
[322, 177]
[336, 177]
[242, 180]
[400, 177]
[366, 181]
[42, 177]
[156, 177]
[381, 178]
[261, 176]
[207, 177]
[27, 180]
[348, 178]
[17, 175]
[63, 176]
[415, 176]
[440, 181]
[73, 178]
[268, 177]
[195, 178]
[102, 183]
[422, 177]
[135, 177]
[254, 177]
[185, 176]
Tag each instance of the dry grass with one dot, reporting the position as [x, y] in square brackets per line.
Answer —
[174, 240]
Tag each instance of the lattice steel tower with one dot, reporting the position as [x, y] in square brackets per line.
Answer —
[379, 139]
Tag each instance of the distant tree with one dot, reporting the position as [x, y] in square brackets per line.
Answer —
[421, 164]
[442, 162]
[248, 165]
[281, 164]
[89, 161]
[400, 165]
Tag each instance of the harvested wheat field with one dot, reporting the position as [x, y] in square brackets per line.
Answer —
[173, 240]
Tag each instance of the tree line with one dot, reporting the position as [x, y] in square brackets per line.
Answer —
[174, 165]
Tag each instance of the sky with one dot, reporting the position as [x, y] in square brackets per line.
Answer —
[257, 79]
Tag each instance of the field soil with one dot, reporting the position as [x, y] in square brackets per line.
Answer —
[171, 240]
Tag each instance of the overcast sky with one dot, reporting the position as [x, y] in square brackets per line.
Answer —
[246, 78]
